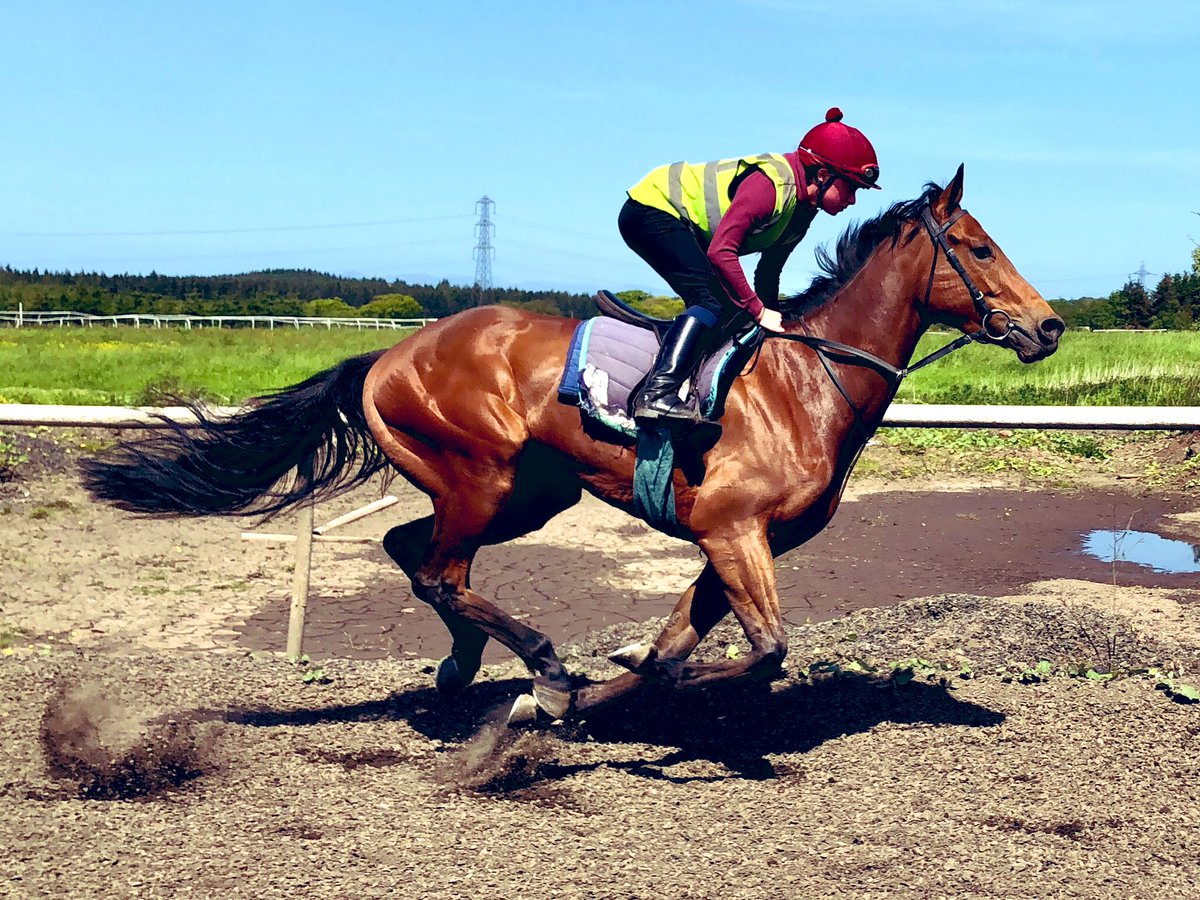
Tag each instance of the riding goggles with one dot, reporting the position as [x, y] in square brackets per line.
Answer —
[863, 178]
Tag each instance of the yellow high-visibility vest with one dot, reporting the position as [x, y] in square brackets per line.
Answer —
[700, 193]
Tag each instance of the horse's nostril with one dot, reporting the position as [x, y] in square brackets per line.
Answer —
[1051, 329]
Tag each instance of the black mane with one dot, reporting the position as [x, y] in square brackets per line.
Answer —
[856, 243]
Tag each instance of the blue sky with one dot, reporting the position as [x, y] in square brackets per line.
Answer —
[356, 137]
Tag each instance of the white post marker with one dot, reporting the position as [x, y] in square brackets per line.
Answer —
[304, 541]
[272, 537]
[363, 511]
[304, 537]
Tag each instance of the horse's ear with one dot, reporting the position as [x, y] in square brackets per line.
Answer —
[952, 195]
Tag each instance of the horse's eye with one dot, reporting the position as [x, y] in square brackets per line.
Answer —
[984, 252]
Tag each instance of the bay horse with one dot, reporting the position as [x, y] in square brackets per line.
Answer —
[466, 409]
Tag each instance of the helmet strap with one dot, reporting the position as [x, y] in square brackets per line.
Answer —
[823, 186]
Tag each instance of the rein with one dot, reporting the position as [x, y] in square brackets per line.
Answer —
[836, 351]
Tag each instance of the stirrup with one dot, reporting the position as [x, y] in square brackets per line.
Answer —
[680, 412]
[684, 419]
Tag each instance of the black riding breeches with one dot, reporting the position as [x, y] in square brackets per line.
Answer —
[673, 250]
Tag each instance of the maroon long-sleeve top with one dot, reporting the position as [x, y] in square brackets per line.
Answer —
[753, 203]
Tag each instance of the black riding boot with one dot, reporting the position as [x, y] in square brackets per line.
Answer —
[658, 402]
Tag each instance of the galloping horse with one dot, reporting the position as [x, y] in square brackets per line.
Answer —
[466, 409]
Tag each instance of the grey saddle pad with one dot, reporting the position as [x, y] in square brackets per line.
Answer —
[607, 359]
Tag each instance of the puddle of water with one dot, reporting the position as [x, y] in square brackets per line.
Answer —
[1143, 548]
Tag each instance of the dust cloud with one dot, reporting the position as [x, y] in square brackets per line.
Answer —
[108, 747]
[500, 760]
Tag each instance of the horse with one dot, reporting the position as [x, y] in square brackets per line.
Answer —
[466, 409]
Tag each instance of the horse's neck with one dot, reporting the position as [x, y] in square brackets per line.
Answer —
[873, 312]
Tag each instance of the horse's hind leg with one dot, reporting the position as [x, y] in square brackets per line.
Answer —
[488, 484]
[441, 582]
[480, 513]
[406, 545]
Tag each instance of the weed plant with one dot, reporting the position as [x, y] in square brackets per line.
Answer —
[1033, 453]
[11, 457]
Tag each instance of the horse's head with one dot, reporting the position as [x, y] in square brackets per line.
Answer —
[996, 299]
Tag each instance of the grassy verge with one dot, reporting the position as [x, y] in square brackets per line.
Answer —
[1061, 458]
[138, 367]
[1089, 369]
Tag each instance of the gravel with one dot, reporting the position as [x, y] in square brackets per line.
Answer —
[162, 775]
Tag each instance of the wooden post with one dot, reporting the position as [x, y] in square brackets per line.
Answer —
[304, 542]
[362, 512]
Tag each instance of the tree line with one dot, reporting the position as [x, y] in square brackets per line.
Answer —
[1173, 303]
[275, 292]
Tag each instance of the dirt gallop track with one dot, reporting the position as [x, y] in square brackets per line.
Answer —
[156, 746]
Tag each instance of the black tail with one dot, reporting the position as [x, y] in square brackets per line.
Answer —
[238, 465]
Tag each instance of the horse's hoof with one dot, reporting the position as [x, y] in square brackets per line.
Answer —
[552, 701]
[524, 711]
[449, 679]
[633, 657]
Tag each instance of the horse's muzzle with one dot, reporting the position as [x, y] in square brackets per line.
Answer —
[1039, 342]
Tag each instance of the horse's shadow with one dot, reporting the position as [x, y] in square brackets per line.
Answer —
[737, 727]
[740, 726]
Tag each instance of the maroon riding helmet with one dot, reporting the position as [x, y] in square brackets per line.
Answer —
[843, 149]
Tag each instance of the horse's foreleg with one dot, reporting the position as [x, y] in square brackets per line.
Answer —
[697, 612]
[406, 545]
[743, 564]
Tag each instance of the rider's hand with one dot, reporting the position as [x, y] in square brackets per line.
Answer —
[770, 319]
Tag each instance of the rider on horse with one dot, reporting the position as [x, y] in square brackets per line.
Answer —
[691, 222]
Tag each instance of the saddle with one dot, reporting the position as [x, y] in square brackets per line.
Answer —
[614, 307]
[611, 354]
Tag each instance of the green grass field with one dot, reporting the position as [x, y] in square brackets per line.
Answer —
[1089, 369]
[139, 367]
[125, 366]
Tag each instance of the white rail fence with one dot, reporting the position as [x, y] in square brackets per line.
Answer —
[64, 318]
[899, 415]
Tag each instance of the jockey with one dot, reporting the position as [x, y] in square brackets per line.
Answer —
[691, 222]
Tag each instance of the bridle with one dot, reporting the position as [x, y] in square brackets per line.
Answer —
[836, 351]
[937, 234]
